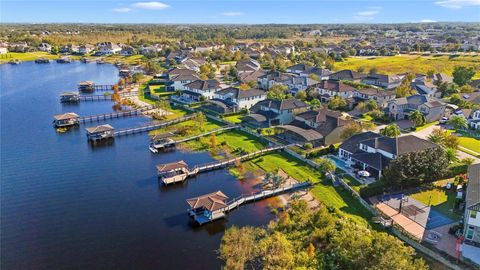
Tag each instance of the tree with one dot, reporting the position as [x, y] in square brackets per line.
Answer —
[443, 138]
[466, 89]
[277, 91]
[392, 130]
[372, 105]
[337, 103]
[238, 248]
[373, 70]
[451, 154]
[350, 130]
[463, 75]
[404, 88]
[327, 165]
[458, 122]
[417, 118]
[368, 125]
[315, 103]
[213, 141]
[416, 168]
[467, 161]
[276, 252]
[302, 95]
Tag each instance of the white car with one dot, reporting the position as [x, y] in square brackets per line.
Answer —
[443, 120]
[448, 185]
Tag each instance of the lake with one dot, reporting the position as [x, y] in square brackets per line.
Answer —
[68, 205]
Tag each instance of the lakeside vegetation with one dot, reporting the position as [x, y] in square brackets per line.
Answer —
[411, 63]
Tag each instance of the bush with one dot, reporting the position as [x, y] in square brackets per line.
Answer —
[373, 189]
[456, 169]
[321, 152]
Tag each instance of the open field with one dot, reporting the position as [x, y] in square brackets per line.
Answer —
[410, 63]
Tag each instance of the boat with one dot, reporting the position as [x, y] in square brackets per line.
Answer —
[42, 61]
[100, 61]
[15, 62]
[62, 129]
[63, 60]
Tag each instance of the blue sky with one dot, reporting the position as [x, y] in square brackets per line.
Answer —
[237, 11]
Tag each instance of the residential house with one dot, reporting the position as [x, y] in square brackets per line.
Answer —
[270, 112]
[127, 50]
[299, 69]
[318, 127]
[382, 80]
[86, 49]
[201, 89]
[322, 73]
[18, 47]
[381, 97]
[330, 88]
[347, 75]
[373, 152]
[432, 108]
[177, 78]
[248, 70]
[438, 78]
[193, 63]
[178, 55]
[232, 99]
[107, 48]
[471, 231]
[3, 50]
[45, 47]
[426, 88]
[472, 116]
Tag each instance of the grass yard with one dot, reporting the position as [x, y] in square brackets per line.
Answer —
[410, 63]
[439, 198]
[237, 118]
[469, 143]
[130, 60]
[28, 56]
[427, 125]
[191, 127]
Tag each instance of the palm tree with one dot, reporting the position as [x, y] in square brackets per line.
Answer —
[451, 154]
[417, 118]
[392, 130]
[468, 161]
[458, 122]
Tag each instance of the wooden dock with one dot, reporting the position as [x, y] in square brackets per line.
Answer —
[106, 97]
[201, 218]
[149, 127]
[168, 178]
[105, 116]
[155, 147]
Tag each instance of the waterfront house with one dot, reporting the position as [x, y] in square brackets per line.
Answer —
[270, 112]
[18, 47]
[69, 97]
[127, 50]
[232, 99]
[66, 119]
[45, 47]
[86, 86]
[373, 152]
[471, 230]
[177, 78]
[318, 127]
[173, 172]
[199, 90]
[330, 88]
[3, 50]
[85, 49]
[100, 132]
[432, 108]
[347, 75]
[208, 207]
[383, 80]
[381, 97]
[107, 48]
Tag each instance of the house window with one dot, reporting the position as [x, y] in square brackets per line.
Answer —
[364, 147]
[470, 232]
[473, 214]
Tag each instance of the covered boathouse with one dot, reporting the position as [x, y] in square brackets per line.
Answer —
[173, 172]
[208, 207]
[100, 132]
[69, 97]
[86, 86]
[66, 119]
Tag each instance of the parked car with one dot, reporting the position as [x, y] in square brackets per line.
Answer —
[444, 120]
[448, 185]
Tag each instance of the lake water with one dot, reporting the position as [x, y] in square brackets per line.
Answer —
[68, 205]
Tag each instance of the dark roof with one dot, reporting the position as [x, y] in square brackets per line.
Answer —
[247, 65]
[307, 134]
[319, 71]
[400, 145]
[257, 117]
[172, 166]
[284, 104]
[374, 160]
[192, 93]
[250, 75]
[300, 67]
[239, 94]
[384, 78]
[203, 84]
[346, 74]
[351, 144]
[376, 92]
[333, 85]
[183, 77]
[213, 201]
[319, 115]
[473, 189]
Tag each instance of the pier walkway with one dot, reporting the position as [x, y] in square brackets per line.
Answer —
[105, 97]
[149, 127]
[105, 116]
[155, 147]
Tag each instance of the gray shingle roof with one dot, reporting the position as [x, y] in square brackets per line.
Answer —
[473, 189]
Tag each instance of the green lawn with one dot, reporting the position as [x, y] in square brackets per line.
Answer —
[191, 126]
[28, 56]
[439, 198]
[237, 118]
[469, 143]
[426, 125]
[410, 63]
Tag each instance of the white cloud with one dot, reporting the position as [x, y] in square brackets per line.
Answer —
[233, 13]
[427, 21]
[456, 4]
[367, 15]
[122, 10]
[150, 5]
